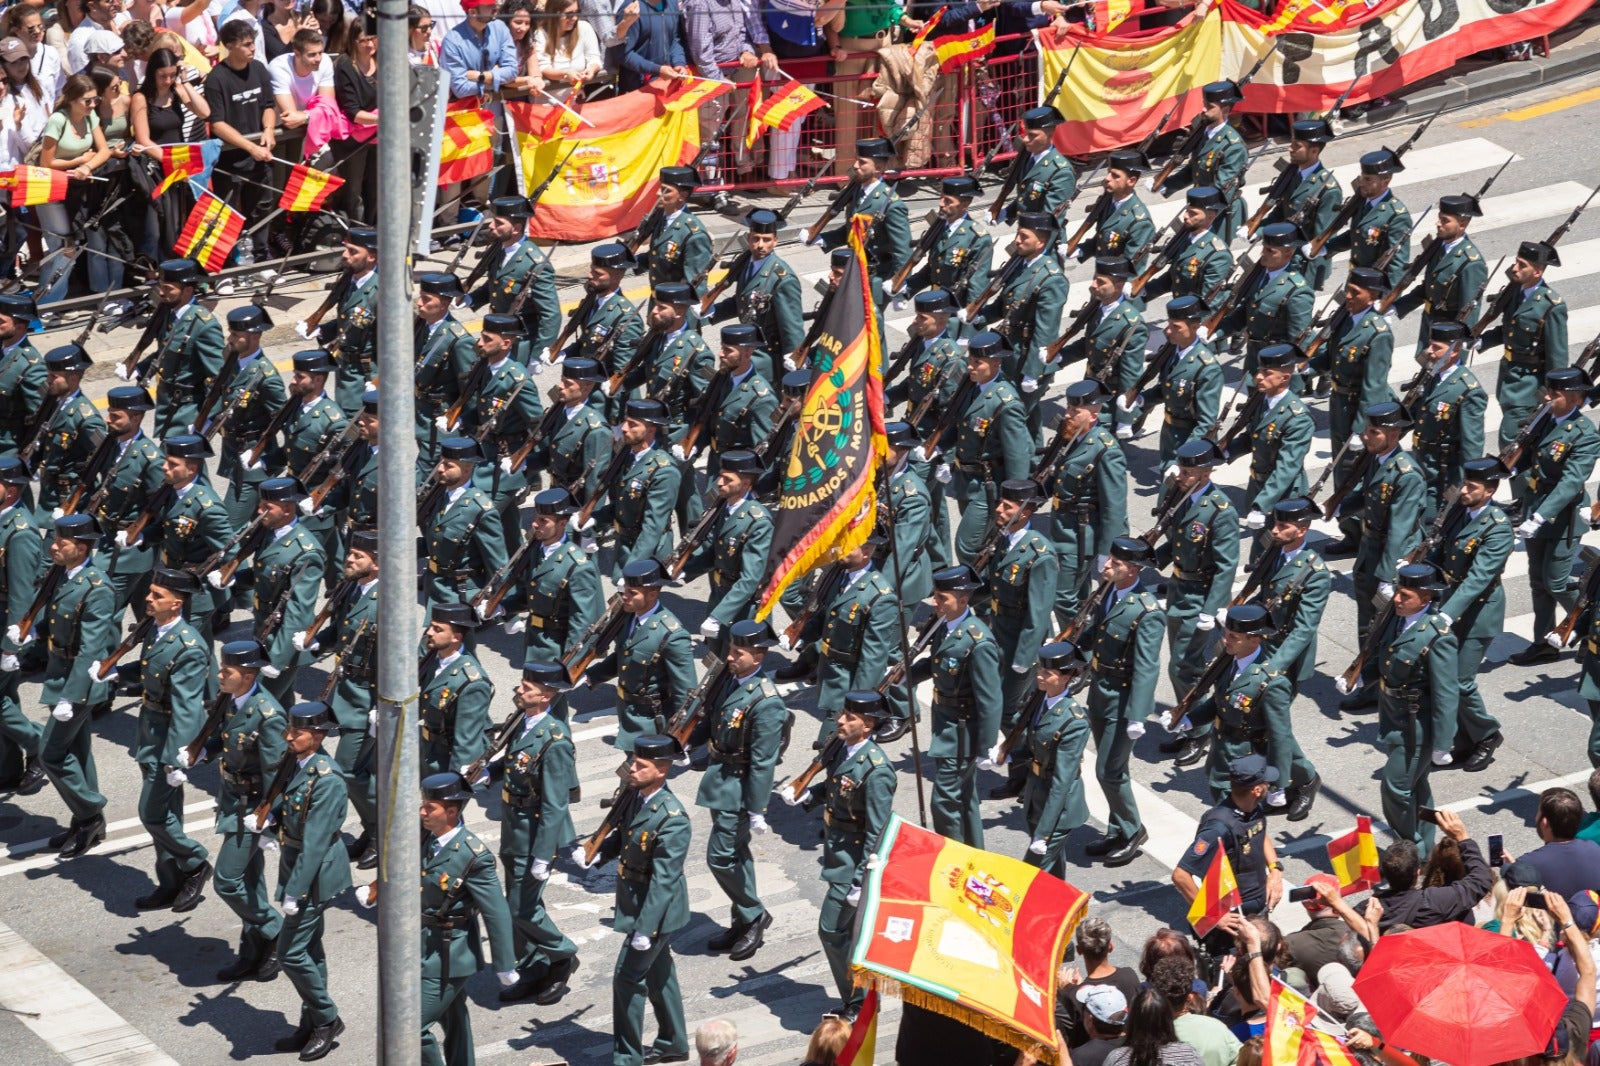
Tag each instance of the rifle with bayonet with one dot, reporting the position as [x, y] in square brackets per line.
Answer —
[845, 194]
[736, 268]
[41, 429]
[97, 469]
[249, 539]
[951, 411]
[822, 589]
[1283, 184]
[1504, 298]
[1197, 125]
[938, 226]
[46, 592]
[1348, 209]
[1246, 276]
[997, 281]
[1432, 247]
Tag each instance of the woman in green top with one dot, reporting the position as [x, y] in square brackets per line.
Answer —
[72, 143]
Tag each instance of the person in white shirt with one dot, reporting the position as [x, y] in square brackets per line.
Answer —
[300, 76]
[565, 49]
[27, 25]
[99, 15]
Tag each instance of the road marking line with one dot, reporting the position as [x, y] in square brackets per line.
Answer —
[1549, 107]
[16, 851]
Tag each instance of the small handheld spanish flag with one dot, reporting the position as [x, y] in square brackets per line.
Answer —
[1354, 857]
[782, 109]
[1219, 894]
[209, 233]
[684, 94]
[308, 188]
[35, 185]
[752, 125]
[956, 52]
[861, 1046]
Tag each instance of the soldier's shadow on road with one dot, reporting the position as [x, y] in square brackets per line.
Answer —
[102, 877]
[794, 1004]
[249, 1029]
[575, 1040]
[192, 961]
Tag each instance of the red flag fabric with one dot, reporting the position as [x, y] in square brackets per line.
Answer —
[35, 185]
[782, 109]
[308, 188]
[467, 149]
[209, 233]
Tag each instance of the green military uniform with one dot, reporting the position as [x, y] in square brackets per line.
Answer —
[189, 353]
[1088, 509]
[21, 549]
[653, 663]
[1020, 587]
[1550, 484]
[176, 672]
[1376, 228]
[1125, 230]
[194, 528]
[318, 421]
[252, 745]
[76, 430]
[960, 258]
[1417, 702]
[541, 777]
[966, 668]
[1279, 442]
[1218, 160]
[1114, 345]
[889, 238]
[1357, 357]
[576, 453]
[642, 500]
[352, 634]
[1054, 804]
[1028, 316]
[445, 352]
[743, 417]
[509, 388]
[1449, 429]
[355, 498]
[680, 250]
[1312, 205]
[610, 333]
[675, 368]
[563, 597]
[465, 546]
[1295, 592]
[135, 476]
[767, 295]
[735, 555]
[1048, 183]
[453, 711]
[261, 394]
[932, 380]
[312, 870]
[1124, 649]
[288, 570]
[511, 270]
[908, 509]
[1250, 706]
[1391, 498]
[1276, 311]
[1190, 391]
[355, 346]
[991, 445]
[22, 392]
[1203, 547]
[79, 627]
[1472, 556]
[1534, 332]
[860, 635]
[1449, 288]
[1198, 266]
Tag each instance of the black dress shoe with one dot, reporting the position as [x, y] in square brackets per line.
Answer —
[295, 1040]
[58, 839]
[1359, 700]
[1010, 790]
[1342, 546]
[358, 847]
[726, 939]
[1127, 850]
[322, 1040]
[268, 968]
[368, 860]
[1173, 746]
[1300, 806]
[753, 937]
[1483, 754]
[527, 983]
[555, 986]
[33, 778]
[1104, 846]
[1534, 654]
[159, 900]
[88, 835]
[240, 970]
[193, 889]
[652, 1056]
[1194, 750]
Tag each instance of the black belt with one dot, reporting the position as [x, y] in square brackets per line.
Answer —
[638, 877]
[521, 803]
[1245, 736]
[150, 705]
[248, 782]
[844, 825]
[737, 759]
[961, 706]
[430, 921]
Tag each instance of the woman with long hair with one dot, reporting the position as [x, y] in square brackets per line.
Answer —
[518, 17]
[565, 48]
[24, 108]
[1151, 1038]
[161, 110]
[72, 143]
[355, 88]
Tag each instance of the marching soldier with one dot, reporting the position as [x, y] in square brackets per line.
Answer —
[791, 398]
[21, 550]
[352, 338]
[1089, 497]
[1277, 310]
[735, 551]
[1534, 333]
[444, 352]
[857, 800]
[1471, 558]
[1202, 543]
[680, 246]
[1314, 194]
[286, 569]
[193, 528]
[936, 366]
[464, 544]
[889, 240]
[675, 364]
[1218, 159]
[1113, 343]
[249, 745]
[652, 661]
[906, 509]
[1122, 225]
[1551, 473]
[767, 291]
[960, 258]
[459, 887]
[1048, 180]
[652, 903]
[1280, 437]
[316, 422]
[561, 590]
[509, 399]
[991, 442]
[609, 331]
[1190, 386]
[541, 777]
[964, 664]
[1450, 414]
[1296, 591]
[860, 632]
[312, 869]
[22, 372]
[78, 629]
[453, 709]
[1455, 277]
[189, 348]
[175, 678]
[576, 451]
[1383, 225]
[1202, 261]
[1052, 749]
[1027, 312]
[255, 392]
[742, 406]
[354, 497]
[1356, 357]
[644, 493]
[746, 722]
[125, 491]
[75, 429]
[519, 279]
[1124, 646]
[1391, 497]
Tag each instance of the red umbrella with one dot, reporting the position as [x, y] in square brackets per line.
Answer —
[1453, 992]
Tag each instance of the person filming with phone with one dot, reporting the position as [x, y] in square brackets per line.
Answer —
[1405, 903]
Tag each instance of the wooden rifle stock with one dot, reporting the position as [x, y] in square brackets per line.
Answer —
[997, 281]
[1093, 219]
[623, 800]
[1214, 673]
[1091, 606]
[601, 632]
[1185, 147]
[820, 593]
[324, 616]
[621, 455]
[280, 781]
[281, 418]
[574, 320]
[469, 392]
[47, 413]
[41, 599]
[1159, 261]
[502, 739]
[835, 205]
[345, 648]
[1586, 597]
[136, 636]
[245, 540]
[341, 285]
[99, 464]
[829, 752]
[898, 671]
[937, 227]
[216, 714]
[1512, 456]
[682, 724]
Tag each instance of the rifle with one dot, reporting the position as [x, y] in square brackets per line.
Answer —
[937, 228]
[502, 740]
[1171, 504]
[284, 414]
[1097, 214]
[249, 539]
[830, 752]
[897, 671]
[1353, 477]
[951, 412]
[1586, 597]
[620, 809]
[1080, 319]
[1086, 612]
[135, 366]
[840, 198]
[47, 414]
[268, 626]
[814, 330]
[215, 425]
[613, 469]
[1535, 426]
[1248, 274]
[1113, 354]
[219, 385]
[682, 724]
[991, 541]
[1197, 125]
[1280, 186]
[41, 599]
[1019, 162]
[1348, 209]
[736, 268]
[1154, 367]
[1432, 247]
[469, 390]
[703, 414]
[1054, 453]
[324, 616]
[1241, 423]
[345, 648]
[997, 281]
[574, 320]
[154, 508]
[280, 781]
[216, 714]
[822, 590]
[602, 631]
[1214, 673]
[1175, 244]
[1590, 350]
[135, 637]
[105, 454]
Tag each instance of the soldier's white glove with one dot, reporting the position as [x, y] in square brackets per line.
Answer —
[258, 463]
[853, 897]
[514, 625]
[58, 513]
[540, 870]
[183, 758]
[784, 643]
[961, 315]
[507, 978]
[372, 722]
[270, 672]
[1205, 622]
[887, 285]
[942, 473]
[1552, 638]
[639, 942]
[121, 539]
[1446, 619]
[1308, 251]
[214, 579]
[1169, 471]
[1344, 688]
[505, 465]
[364, 897]
[585, 527]
[1038, 847]
[1391, 315]
[589, 545]
[577, 857]
[1255, 520]
[1030, 385]
[1355, 443]
[14, 635]
[759, 826]
[710, 628]
[1127, 290]
[789, 798]
[679, 454]
[303, 328]
[266, 843]
[1124, 405]
[1386, 589]
[1204, 333]
[62, 712]
[443, 424]
[10, 664]
[1124, 432]
[175, 777]
[291, 906]
[306, 505]
[815, 242]
[1148, 183]
[899, 302]
[1183, 726]
[605, 388]
[1277, 798]
[548, 358]
[301, 643]
[1020, 668]
[1443, 758]
[1531, 526]
[1134, 729]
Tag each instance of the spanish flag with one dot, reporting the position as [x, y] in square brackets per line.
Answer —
[181, 172]
[307, 188]
[859, 1049]
[956, 52]
[752, 125]
[1355, 858]
[35, 185]
[1219, 894]
[191, 162]
[1330, 1050]
[684, 94]
[209, 233]
[782, 109]
[927, 28]
[1109, 14]
[467, 148]
[1289, 1017]
[561, 121]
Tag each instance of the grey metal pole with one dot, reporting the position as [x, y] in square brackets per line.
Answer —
[399, 845]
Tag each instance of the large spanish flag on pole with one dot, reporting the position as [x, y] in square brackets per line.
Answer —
[827, 503]
[1219, 894]
[966, 933]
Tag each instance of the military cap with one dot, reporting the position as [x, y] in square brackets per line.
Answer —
[369, 402]
[1295, 509]
[282, 490]
[749, 633]
[675, 293]
[1206, 197]
[502, 325]
[934, 302]
[1488, 470]
[1251, 770]
[1278, 357]
[612, 256]
[365, 540]
[181, 271]
[1115, 267]
[959, 185]
[13, 471]
[644, 574]
[556, 502]
[18, 305]
[657, 748]
[446, 787]
[1186, 309]
[1281, 235]
[313, 715]
[763, 221]
[362, 237]
[313, 361]
[550, 675]
[77, 527]
[1312, 131]
[1389, 415]
[1423, 577]
[742, 461]
[1539, 253]
[1567, 379]
[1021, 490]
[741, 334]
[1369, 279]
[439, 283]
[1129, 161]
[180, 581]
[867, 704]
[68, 358]
[1222, 92]
[512, 207]
[249, 319]
[680, 177]
[987, 345]
[579, 368]
[1060, 655]
[651, 412]
[1038, 221]
[459, 615]
[1201, 453]
[1463, 206]
[958, 578]
[1041, 118]
[796, 382]
[1131, 550]
[1448, 330]
[875, 148]
[1250, 619]
[1086, 393]
[901, 435]
[461, 450]
[1382, 161]
[244, 655]
[186, 446]
[129, 398]
[840, 256]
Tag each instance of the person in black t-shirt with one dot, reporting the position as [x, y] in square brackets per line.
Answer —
[239, 91]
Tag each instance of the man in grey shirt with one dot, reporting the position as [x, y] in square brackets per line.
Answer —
[719, 32]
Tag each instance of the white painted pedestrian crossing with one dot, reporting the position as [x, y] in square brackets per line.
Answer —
[1434, 162]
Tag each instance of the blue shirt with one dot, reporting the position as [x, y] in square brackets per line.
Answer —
[464, 49]
[655, 41]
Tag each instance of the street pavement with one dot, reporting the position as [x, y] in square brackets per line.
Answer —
[111, 985]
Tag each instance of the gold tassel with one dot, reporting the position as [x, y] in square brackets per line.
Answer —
[888, 987]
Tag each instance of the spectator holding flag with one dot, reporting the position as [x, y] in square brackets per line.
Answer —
[72, 143]
[732, 34]
[565, 49]
[160, 110]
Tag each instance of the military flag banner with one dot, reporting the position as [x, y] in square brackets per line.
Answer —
[791, 103]
[467, 147]
[210, 232]
[956, 52]
[35, 185]
[1219, 893]
[308, 188]
[966, 933]
[827, 504]
[1354, 857]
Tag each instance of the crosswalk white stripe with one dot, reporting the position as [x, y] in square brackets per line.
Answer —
[1433, 162]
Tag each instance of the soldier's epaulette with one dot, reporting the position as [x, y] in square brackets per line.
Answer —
[768, 689]
[1555, 297]
[1296, 407]
[474, 843]
[670, 622]
[205, 501]
[1221, 499]
[1402, 463]
[1472, 254]
[1041, 546]
[759, 385]
[1499, 517]
[875, 758]
[266, 709]
[470, 668]
[190, 640]
[975, 631]
[907, 486]
[95, 580]
[978, 227]
[320, 763]
[1139, 210]
[203, 313]
[1297, 281]
[1207, 357]
[1104, 436]
[780, 270]
[1146, 599]
[1380, 324]
[658, 459]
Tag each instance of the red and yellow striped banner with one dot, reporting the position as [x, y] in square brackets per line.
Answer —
[927, 28]
[782, 109]
[1219, 892]
[956, 52]
[467, 148]
[752, 125]
[1354, 858]
[35, 185]
[307, 188]
[683, 94]
[209, 233]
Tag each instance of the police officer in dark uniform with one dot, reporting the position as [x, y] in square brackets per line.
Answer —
[1237, 825]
